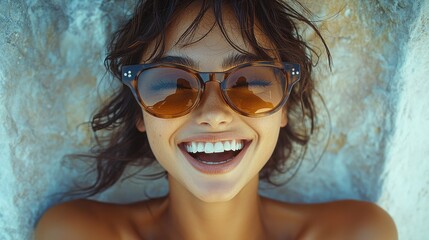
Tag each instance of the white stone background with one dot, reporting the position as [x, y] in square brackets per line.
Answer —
[52, 77]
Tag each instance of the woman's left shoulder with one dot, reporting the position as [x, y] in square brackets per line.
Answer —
[351, 219]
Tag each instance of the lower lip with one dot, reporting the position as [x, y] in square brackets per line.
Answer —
[216, 168]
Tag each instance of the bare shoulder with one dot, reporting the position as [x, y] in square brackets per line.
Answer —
[338, 220]
[349, 219]
[78, 219]
[87, 219]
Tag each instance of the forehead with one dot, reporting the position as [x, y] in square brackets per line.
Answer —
[207, 27]
[203, 39]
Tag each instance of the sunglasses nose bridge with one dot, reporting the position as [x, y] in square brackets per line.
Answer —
[212, 77]
[217, 76]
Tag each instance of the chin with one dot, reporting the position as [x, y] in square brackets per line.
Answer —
[216, 194]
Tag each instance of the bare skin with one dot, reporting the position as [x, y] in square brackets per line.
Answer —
[220, 206]
[85, 219]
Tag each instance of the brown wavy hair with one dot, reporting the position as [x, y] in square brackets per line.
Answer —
[118, 142]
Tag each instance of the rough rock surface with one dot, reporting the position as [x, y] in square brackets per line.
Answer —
[52, 78]
[366, 39]
[405, 190]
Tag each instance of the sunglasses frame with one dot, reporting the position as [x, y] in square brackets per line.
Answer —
[131, 73]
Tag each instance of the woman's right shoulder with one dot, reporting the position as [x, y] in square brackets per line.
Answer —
[77, 219]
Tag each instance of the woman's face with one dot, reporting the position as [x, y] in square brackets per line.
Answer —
[212, 123]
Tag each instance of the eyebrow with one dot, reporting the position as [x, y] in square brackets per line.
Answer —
[236, 59]
[230, 61]
[183, 60]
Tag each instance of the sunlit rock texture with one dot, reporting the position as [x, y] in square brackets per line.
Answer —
[52, 78]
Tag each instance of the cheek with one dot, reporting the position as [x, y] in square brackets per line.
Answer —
[158, 133]
[269, 126]
[267, 130]
[269, 140]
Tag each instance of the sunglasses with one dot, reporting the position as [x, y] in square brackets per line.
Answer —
[253, 89]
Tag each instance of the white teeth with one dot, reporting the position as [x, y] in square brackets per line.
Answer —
[226, 146]
[194, 147]
[208, 148]
[218, 147]
[214, 147]
[200, 147]
[215, 163]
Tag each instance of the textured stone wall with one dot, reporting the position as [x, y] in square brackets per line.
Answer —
[51, 64]
[405, 192]
[52, 77]
[366, 39]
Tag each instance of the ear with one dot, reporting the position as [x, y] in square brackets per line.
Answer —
[284, 119]
[140, 124]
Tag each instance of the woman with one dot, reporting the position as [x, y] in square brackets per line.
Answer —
[215, 91]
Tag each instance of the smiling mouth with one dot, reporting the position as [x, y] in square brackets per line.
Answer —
[214, 153]
[218, 156]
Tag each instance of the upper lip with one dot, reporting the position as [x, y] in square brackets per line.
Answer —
[214, 137]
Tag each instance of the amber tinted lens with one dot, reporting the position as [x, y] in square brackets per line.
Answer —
[167, 91]
[255, 89]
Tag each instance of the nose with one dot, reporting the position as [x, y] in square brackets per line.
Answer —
[212, 111]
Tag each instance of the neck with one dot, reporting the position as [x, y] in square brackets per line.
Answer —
[239, 218]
